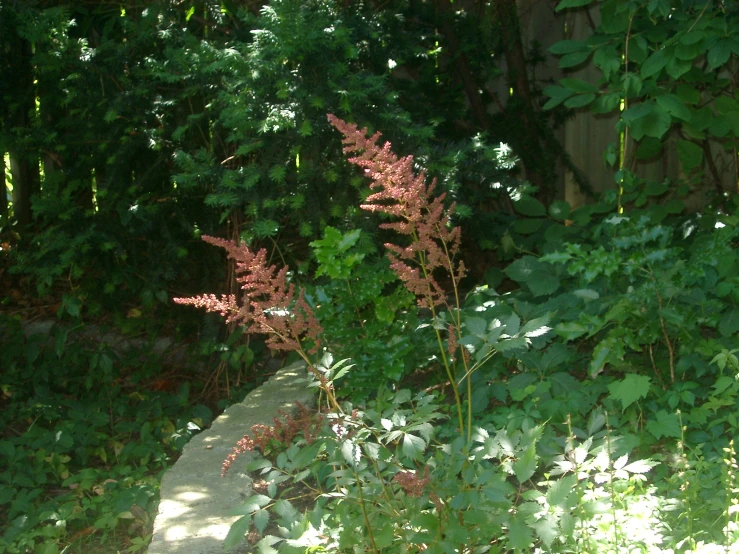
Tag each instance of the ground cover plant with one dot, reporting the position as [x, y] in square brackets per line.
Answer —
[572, 389]
[591, 410]
[85, 441]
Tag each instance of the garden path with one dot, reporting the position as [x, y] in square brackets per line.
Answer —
[196, 502]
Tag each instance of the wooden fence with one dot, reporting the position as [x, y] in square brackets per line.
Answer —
[586, 136]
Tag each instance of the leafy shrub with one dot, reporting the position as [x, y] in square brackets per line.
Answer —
[72, 467]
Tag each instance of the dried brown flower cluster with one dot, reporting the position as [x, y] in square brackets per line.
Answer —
[270, 305]
[402, 193]
[283, 431]
[411, 482]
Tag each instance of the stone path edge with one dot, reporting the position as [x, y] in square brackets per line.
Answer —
[195, 501]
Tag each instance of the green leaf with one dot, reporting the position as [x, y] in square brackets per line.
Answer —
[640, 466]
[725, 104]
[264, 546]
[383, 536]
[525, 466]
[729, 322]
[560, 491]
[556, 257]
[236, 532]
[537, 276]
[476, 325]
[564, 4]
[666, 425]
[672, 104]
[688, 52]
[277, 173]
[570, 330]
[519, 533]
[608, 60]
[547, 529]
[586, 294]
[252, 504]
[654, 64]
[579, 101]
[261, 519]
[692, 37]
[676, 67]
[654, 123]
[567, 46]
[557, 96]
[536, 327]
[306, 129]
[630, 389]
[413, 446]
[527, 226]
[719, 54]
[573, 59]
[529, 206]
[689, 154]
[688, 94]
[578, 86]
[632, 85]
[559, 209]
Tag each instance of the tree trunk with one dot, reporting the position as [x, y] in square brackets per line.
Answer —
[23, 163]
[518, 79]
[3, 191]
[470, 84]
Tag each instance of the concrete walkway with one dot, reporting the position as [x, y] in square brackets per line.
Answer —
[195, 500]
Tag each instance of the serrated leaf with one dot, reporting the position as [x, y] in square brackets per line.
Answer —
[586, 294]
[536, 327]
[413, 446]
[476, 325]
[666, 425]
[261, 519]
[719, 54]
[252, 504]
[237, 531]
[640, 466]
[350, 451]
[556, 258]
[570, 330]
[519, 533]
[560, 490]
[547, 530]
[632, 388]
[277, 173]
[306, 129]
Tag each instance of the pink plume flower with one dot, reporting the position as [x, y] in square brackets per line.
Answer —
[398, 191]
[269, 306]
